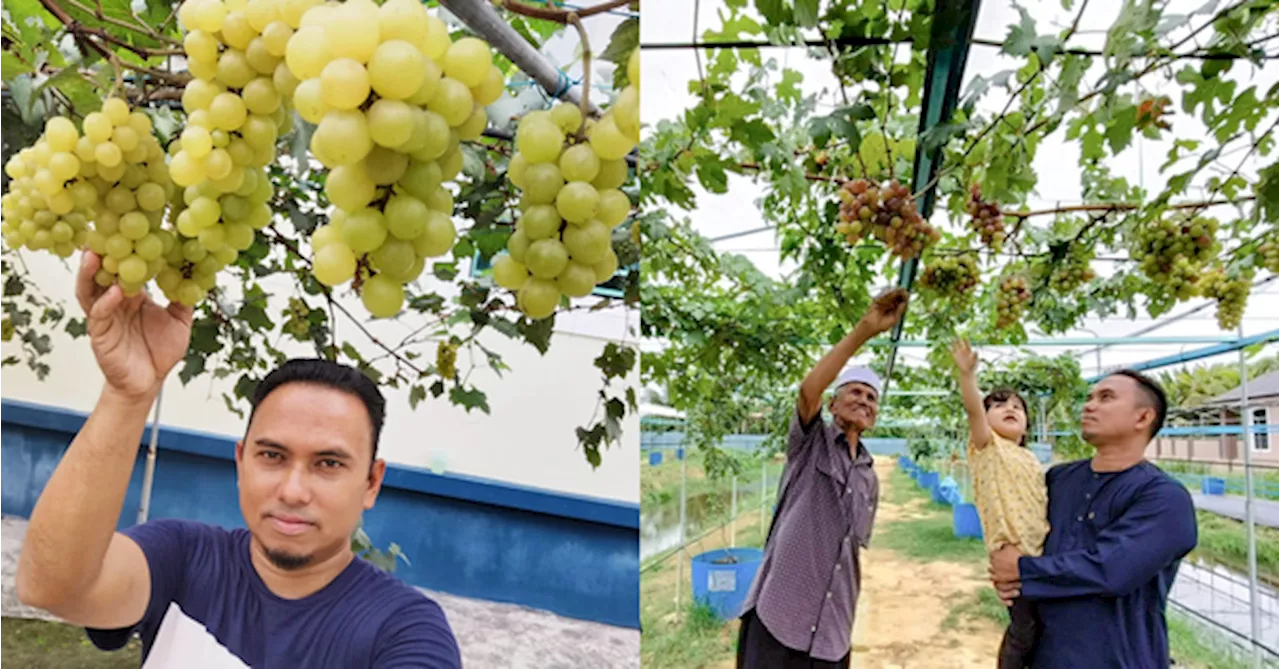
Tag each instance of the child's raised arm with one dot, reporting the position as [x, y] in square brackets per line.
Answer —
[967, 364]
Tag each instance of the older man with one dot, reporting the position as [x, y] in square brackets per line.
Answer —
[1119, 529]
[799, 612]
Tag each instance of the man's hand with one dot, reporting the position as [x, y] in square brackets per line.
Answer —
[1007, 592]
[135, 341]
[885, 312]
[1004, 573]
[964, 356]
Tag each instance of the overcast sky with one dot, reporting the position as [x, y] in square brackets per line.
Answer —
[666, 73]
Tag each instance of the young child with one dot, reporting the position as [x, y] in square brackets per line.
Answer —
[1008, 489]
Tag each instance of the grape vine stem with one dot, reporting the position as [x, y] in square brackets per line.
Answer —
[1120, 206]
[584, 105]
[85, 35]
[560, 15]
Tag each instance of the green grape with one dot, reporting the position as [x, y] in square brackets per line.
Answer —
[546, 258]
[97, 127]
[275, 37]
[474, 126]
[334, 263]
[382, 296]
[433, 136]
[349, 187]
[626, 112]
[577, 279]
[134, 225]
[260, 96]
[351, 31]
[606, 267]
[542, 182]
[488, 91]
[239, 237]
[227, 111]
[120, 200]
[107, 154]
[538, 298]
[406, 216]
[213, 237]
[132, 269]
[306, 54]
[64, 166]
[402, 20]
[579, 163]
[148, 248]
[608, 141]
[568, 117]
[384, 166]
[260, 133]
[119, 246]
[468, 60]
[309, 101]
[437, 40]
[614, 207]
[421, 179]
[344, 84]
[450, 164]
[394, 258]
[260, 57]
[342, 137]
[437, 236]
[452, 100]
[613, 173]
[218, 165]
[541, 221]
[428, 86]
[261, 13]
[236, 31]
[440, 200]
[391, 122]
[364, 230]
[587, 243]
[518, 245]
[508, 273]
[577, 202]
[539, 142]
[397, 70]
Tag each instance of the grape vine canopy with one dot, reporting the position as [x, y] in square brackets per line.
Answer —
[900, 172]
[272, 161]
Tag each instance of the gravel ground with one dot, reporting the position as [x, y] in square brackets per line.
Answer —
[491, 634]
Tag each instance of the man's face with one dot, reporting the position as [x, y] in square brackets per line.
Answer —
[304, 473]
[1115, 411]
[855, 404]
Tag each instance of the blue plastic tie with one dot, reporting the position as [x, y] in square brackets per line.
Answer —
[562, 84]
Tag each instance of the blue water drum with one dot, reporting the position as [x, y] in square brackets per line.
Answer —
[964, 521]
[680, 453]
[722, 578]
[928, 480]
[1212, 485]
[655, 458]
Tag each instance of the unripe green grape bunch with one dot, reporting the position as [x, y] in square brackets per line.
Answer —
[562, 244]
[887, 213]
[238, 104]
[392, 98]
[1231, 294]
[1072, 271]
[1012, 296]
[103, 187]
[950, 275]
[1172, 252]
[1267, 255]
[985, 219]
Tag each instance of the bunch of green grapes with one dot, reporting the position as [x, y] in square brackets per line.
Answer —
[447, 359]
[213, 227]
[1231, 294]
[618, 131]
[1172, 252]
[1012, 296]
[1267, 255]
[49, 202]
[238, 103]
[951, 275]
[888, 213]
[1072, 271]
[562, 244]
[986, 219]
[392, 97]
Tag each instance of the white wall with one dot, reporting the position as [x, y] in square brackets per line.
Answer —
[528, 438]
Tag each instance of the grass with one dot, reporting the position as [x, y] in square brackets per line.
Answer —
[984, 604]
[930, 535]
[1189, 648]
[40, 644]
[1225, 541]
[661, 484]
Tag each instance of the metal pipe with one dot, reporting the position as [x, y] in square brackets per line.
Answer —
[149, 472]
[481, 17]
[764, 491]
[1246, 422]
[733, 512]
[680, 562]
[1201, 353]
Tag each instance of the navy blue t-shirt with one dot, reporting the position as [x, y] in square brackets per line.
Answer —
[1113, 550]
[209, 609]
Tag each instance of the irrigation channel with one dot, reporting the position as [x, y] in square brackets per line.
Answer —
[1214, 596]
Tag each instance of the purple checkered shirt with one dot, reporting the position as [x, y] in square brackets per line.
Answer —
[807, 587]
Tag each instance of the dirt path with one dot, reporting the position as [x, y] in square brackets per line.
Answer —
[904, 604]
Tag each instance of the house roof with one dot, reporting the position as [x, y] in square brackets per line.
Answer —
[1265, 386]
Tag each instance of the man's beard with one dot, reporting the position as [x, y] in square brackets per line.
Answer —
[287, 561]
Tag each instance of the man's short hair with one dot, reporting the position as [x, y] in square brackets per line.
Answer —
[1152, 394]
[330, 374]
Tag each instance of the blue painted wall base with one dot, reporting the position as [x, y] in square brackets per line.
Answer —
[573, 555]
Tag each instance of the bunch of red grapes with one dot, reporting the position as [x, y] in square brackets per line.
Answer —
[986, 219]
[887, 213]
[1012, 297]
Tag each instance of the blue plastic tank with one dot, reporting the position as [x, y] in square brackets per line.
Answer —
[722, 578]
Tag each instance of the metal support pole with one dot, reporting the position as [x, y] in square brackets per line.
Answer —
[733, 512]
[680, 559]
[764, 492]
[1246, 424]
[1044, 426]
[480, 16]
[149, 472]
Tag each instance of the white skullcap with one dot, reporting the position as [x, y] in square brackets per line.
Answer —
[855, 374]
